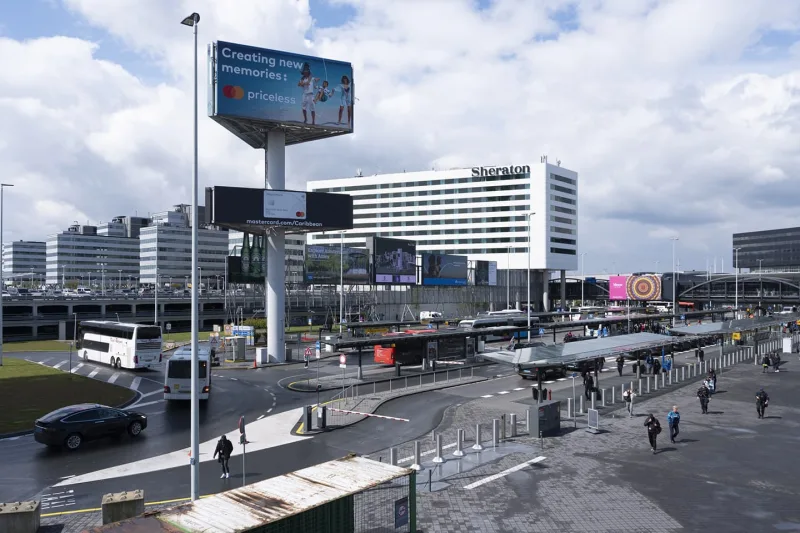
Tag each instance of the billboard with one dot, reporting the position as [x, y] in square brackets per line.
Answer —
[255, 210]
[644, 288]
[486, 273]
[322, 265]
[273, 87]
[618, 287]
[394, 261]
[443, 269]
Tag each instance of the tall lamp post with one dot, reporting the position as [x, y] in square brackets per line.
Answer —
[192, 21]
[341, 282]
[508, 277]
[736, 284]
[674, 285]
[2, 283]
[760, 289]
[529, 274]
[583, 275]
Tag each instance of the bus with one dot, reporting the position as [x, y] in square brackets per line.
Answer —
[509, 319]
[120, 345]
[586, 312]
[178, 374]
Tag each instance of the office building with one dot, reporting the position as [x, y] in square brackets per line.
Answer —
[167, 244]
[775, 250]
[24, 261]
[123, 226]
[80, 255]
[479, 212]
[294, 254]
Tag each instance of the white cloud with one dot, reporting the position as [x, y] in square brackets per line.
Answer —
[672, 131]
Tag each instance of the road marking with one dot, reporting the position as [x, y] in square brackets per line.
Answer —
[504, 473]
[59, 365]
[65, 477]
[235, 379]
[150, 393]
[260, 417]
[503, 392]
[76, 368]
[12, 438]
[369, 414]
[519, 388]
[135, 384]
[487, 395]
[269, 410]
[114, 377]
[94, 372]
[561, 379]
[137, 405]
[548, 382]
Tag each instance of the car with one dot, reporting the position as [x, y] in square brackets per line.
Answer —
[73, 425]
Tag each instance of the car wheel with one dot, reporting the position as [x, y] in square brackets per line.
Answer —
[135, 429]
[73, 441]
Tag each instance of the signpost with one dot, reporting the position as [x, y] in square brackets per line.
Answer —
[343, 366]
[306, 355]
[243, 442]
[317, 349]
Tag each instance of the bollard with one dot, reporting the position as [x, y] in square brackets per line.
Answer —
[495, 432]
[459, 444]
[477, 446]
[393, 456]
[655, 383]
[639, 390]
[438, 459]
[570, 410]
[580, 403]
[613, 395]
[670, 377]
[683, 373]
[593, 399]
[417, 457]
[663, 380]
[528, 421]
[648, 384]
[503, 427]
[603, 397]
[513, 422]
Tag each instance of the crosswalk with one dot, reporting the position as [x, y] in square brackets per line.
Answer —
[142, 384]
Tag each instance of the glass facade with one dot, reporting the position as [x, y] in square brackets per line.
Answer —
[777, 249]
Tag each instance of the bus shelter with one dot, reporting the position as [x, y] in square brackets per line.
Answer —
[743, 331]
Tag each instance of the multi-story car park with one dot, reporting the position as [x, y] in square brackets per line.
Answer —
[480, 212]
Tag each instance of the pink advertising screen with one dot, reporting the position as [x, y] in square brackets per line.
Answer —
[618, 288]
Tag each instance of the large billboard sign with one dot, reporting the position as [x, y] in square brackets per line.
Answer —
[618, 287]
[394, 261]
[255, 210]
[269, 87]
[486, 273]
[323, 265]
[643, 288]
[442, 269]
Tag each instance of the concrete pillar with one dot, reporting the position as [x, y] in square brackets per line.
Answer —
[564, 289]
[545, 291]
[20, 517]
[276, 248]
[570, 409]
[103, 311]
[35, 332]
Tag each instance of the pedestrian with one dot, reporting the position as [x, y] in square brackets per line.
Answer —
[648, 362]
[703, 394]
[224, 450]
[762, 402]
[697, 354]
[620, 364]
[673, 419]
[627, 396]
[764, 363]
[656, 366]
[702, 355]
[653, 429]
[712, 376]
[588, 384]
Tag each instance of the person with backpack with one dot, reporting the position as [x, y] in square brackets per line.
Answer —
[765, 363]
[224, 450]
[627, 396]
[703, 394]
[762, 402]
[673, 419]
[653, 429]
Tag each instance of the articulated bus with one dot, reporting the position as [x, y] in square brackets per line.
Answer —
[120, 345]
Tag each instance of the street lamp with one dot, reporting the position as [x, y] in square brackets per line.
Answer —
[193, 20]
[120, 278]
[2, 283]
[760, 289]
[736, 283]
[508, 277]
[674, 285]
[583, 275]
[657, 266]
[529, 274]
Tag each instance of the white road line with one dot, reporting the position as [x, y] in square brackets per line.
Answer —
[235, 379]
[94, 372]
[487, 395]
[504, 473]
[260, 417]
[137, 405]
[59, 365]
[76, 368]
[519, 388]
[561, 379]
[549, 381]
[135, 383]
[503, 392]
[269, 410]
[12, 438]
[45, 361]
[151, 393]
[114, 377]
[65, 477]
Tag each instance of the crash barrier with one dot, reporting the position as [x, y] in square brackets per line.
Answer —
[20, 517]
[119, 506]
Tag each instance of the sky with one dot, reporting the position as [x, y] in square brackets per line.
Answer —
[682, 117]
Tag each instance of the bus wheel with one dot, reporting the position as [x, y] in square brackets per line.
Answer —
[119, 363]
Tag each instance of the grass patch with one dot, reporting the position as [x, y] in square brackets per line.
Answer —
[30, 390]
[185, 336]
[36, 346]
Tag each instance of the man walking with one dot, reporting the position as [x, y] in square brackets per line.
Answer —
[704, 394]
[702, 355]
[224, 450]
[588, 384]
[653, 429]
[762, 402]
[620, 364]
[673, 419]
[627, 396]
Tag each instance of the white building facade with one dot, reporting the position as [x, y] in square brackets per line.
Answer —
[24, 260]
[293, 260]
[80, 255]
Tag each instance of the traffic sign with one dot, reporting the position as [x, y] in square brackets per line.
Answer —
[683, 317]
[309, 321]
[318, 350]
[541, 332]
[169, 326]
[343, 361]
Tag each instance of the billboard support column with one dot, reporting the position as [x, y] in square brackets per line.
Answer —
[545, 291]
[563, 290]
[276, 248]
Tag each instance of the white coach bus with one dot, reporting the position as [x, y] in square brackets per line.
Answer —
[178, 374]
[120, 345]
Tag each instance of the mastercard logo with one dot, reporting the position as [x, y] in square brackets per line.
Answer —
[299, 214]
[233, 91]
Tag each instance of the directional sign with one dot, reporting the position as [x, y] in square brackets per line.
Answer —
[343, 361]
[169, 326]
[318, 350]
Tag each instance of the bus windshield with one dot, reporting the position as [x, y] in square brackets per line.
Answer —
[148, 333]
[182, 369]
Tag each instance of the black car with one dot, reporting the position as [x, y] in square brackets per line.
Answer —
[71, 426]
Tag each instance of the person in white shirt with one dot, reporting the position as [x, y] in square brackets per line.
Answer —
[345, 99]
[309, 84]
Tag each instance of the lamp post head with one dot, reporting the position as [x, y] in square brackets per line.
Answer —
[191, 20]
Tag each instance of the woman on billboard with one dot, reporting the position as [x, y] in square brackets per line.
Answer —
[345, 99]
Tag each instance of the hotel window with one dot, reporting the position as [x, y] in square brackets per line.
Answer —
[556, 229]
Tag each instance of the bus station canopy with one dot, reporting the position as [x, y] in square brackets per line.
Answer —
[560, 354]
[735, 326]
[426, 334]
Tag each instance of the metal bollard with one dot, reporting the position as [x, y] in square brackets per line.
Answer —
[663, 380]
[570, 410]
[417, 457]
[513, 422]
[648, 384]
[477, 446]
[438, 458]
[495, 432]
[603, 397]
[655, 383]
[683, 374]
[593, 399]
[502, 427]
[393, 456]
[613, 395]
[670, 377]
[459, 444]
[528, 421]
[581, 405]
[639, 390]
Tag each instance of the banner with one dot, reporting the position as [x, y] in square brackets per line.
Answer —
[443, 269]
[486, 273]
[617, 288]
[643, 288]
[394, 260]
[323, 265]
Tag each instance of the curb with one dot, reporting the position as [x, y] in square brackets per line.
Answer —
[327, 430]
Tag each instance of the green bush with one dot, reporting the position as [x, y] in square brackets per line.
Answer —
[257, 323]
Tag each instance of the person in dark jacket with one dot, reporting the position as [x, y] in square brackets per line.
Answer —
[702, 355]
[656, 366]
[224, 450]
[588, 384]
[653, 429]
[765, 363]
[620, 364]
[703, 394]
[762, 402]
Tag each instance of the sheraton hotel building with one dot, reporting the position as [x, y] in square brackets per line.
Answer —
[485, 213]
